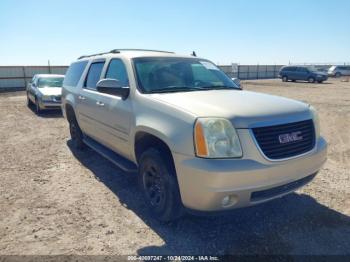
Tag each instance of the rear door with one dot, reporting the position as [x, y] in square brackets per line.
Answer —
[302, 73]
[86, 106]
[291, 73]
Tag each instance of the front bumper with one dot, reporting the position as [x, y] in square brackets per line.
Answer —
[204, 183]
[45, 104]
[321, 78]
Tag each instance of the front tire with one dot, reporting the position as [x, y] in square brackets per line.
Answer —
[76, 134]
[157, 179]
[38, 110]
[311, 80]
[284, 79]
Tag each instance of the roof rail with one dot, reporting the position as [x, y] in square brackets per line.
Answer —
[117, 51]
[147, 50]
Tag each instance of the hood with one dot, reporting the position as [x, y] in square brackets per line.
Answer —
[245, 109]
[320, 73]
[51, 91]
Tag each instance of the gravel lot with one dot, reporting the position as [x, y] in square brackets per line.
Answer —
[54, 200]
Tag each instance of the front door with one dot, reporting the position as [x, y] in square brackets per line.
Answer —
[114, 114]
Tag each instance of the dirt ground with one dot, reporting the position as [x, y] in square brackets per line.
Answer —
[54, 200]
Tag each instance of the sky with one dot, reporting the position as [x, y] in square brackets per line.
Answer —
[223, 31]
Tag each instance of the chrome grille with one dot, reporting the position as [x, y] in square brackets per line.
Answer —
[284, 141]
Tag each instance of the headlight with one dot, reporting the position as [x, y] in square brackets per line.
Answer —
[316, 120]
[216, 138]
[47, 98]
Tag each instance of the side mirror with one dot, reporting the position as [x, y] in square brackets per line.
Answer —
[237, 82]
[113, 87]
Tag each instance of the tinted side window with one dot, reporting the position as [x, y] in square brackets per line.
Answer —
[34, 80]
[116, 70]
[302, 69]
[74, 73]
[290, 69]
[94, 75]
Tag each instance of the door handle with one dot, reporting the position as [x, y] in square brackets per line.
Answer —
[99, 103]
[81, 97]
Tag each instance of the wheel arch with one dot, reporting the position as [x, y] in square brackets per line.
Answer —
[145, 138]
[69, 112]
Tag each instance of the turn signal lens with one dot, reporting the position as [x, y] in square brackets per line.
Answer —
[201, 146]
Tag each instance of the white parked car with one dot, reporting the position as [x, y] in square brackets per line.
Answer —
[339, 71]
[44, 91]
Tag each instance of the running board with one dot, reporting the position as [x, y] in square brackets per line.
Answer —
[119, 161]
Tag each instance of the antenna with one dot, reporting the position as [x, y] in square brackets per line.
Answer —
[194, 53]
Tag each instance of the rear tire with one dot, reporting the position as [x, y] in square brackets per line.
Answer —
[157, 179]
[320, 81]
[29, 102]
[311, 80]
[284, 79]
[76, 134]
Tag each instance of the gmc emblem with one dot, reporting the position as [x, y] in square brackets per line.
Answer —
[291, 137]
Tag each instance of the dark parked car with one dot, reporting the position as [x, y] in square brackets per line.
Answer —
[338, 71]
[303, 73]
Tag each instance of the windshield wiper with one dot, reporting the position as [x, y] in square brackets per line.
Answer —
[213, 87]
[172, 89]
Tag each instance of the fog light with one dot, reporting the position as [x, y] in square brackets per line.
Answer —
[225, 201]
[228, 201]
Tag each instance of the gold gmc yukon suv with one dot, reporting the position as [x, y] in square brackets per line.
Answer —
[197, 141]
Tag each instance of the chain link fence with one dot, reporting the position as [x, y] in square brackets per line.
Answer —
[246, 72]
[17, 77]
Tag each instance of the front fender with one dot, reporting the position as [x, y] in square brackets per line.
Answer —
[173, 130]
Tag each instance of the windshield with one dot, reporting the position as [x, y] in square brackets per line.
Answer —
[169, 74]
[50, 82]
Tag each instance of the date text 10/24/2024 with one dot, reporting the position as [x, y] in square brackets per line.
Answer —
[173, 258]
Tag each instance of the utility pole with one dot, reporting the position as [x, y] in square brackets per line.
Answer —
[49, 66]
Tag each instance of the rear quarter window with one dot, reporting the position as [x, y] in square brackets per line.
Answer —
[288, 69]
[74, 73]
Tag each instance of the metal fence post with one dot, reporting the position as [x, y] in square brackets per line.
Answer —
[257, 71]
[238, 71]
[24, 77]
[49, 66]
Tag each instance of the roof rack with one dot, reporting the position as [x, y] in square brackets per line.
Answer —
[117, 51]
[147, 50]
